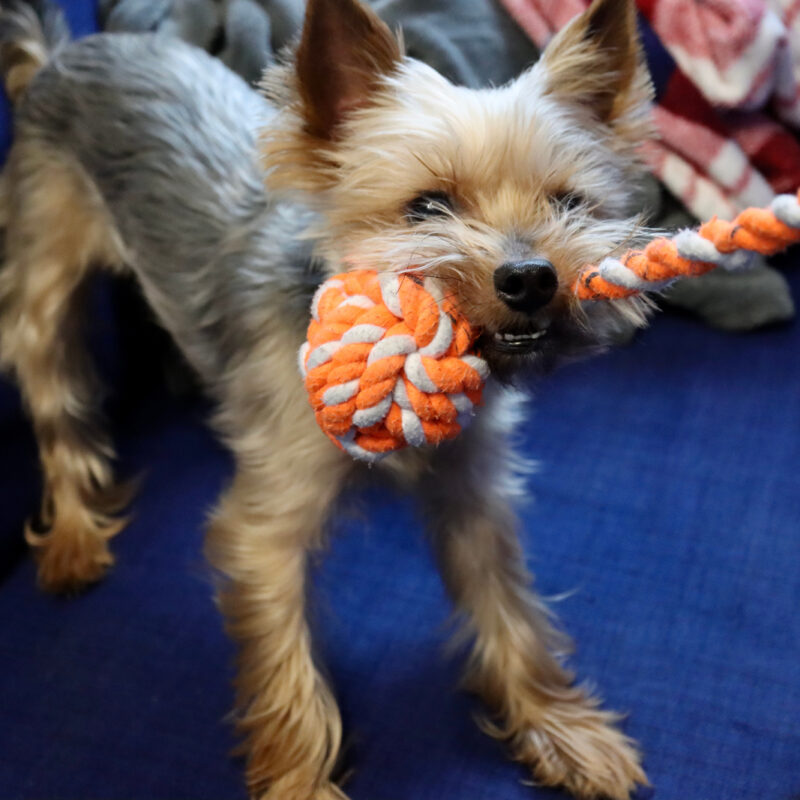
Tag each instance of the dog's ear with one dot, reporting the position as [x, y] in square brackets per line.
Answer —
[596, 61]
[344, 50]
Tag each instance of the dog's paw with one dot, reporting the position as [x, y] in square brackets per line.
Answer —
[71, 556]
[580, 748]
[329, 791]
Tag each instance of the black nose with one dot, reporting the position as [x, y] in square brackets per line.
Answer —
[526, 286]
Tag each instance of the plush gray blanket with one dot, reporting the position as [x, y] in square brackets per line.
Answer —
[472, 42]
[476, 45]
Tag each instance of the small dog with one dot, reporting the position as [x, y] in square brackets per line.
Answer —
[138, 154]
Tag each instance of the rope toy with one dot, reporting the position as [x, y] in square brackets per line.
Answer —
[389, 362]
[731, 245]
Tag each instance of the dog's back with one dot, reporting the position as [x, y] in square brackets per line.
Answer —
[167, 136]
[134, 153]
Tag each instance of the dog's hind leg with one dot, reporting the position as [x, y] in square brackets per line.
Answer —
[551, 725]
[57, 228]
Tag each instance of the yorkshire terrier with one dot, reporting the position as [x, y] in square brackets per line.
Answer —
[139, 154]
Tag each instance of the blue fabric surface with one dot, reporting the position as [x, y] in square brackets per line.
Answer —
[667, 506]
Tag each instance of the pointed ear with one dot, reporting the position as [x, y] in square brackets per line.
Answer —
[596, 61]
[344, 50]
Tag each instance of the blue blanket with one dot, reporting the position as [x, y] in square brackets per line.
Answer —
[667, 510]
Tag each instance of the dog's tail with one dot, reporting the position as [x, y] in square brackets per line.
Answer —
[30, 32]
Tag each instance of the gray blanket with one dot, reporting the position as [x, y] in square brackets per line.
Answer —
[475, 46]
[474, 43]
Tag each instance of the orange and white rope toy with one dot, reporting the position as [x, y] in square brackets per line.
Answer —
[389, 362]
[717, 243]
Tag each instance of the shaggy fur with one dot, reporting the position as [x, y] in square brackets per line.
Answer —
[142, 155]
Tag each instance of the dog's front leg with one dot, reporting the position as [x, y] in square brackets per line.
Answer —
[551, 725]
[267, 522]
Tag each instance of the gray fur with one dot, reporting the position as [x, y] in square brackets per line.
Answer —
[20, 17]
[168, 135]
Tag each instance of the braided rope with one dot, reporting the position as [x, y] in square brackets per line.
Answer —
[731, 245]
[387, 363]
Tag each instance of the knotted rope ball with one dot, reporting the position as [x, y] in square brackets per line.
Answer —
[388, 363]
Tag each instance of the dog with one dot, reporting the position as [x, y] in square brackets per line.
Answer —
[145, 156]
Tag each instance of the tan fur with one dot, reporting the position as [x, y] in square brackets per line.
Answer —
[21, 72]
[502, 154]
[362, 139]
[596, 61]
[288, 475]
[56, 228]
[20, 60]
[549, 723]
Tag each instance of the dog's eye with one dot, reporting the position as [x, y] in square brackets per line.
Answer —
[428, 204]
[568, 201]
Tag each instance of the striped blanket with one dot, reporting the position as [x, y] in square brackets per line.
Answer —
[727, 81]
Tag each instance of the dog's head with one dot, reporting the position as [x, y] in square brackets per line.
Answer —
[500, 195]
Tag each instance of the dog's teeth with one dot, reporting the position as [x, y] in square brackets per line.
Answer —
[518, 338]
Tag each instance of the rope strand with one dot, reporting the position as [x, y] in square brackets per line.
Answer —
[716, 243]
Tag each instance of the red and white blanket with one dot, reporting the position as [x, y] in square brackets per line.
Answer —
[727, 78]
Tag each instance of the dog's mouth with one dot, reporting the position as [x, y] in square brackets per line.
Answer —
[519, 344]
[535, 349]
[510, 343]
